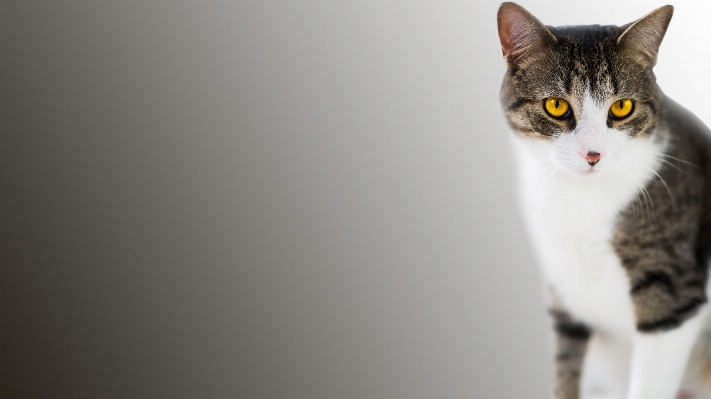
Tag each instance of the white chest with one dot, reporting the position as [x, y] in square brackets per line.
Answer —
[570, 221]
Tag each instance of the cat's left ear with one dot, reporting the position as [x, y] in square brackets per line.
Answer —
[643, 37]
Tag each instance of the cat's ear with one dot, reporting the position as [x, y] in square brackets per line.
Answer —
[642, 38]
[521, 33]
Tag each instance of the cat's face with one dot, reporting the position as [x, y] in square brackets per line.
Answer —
[584, 97]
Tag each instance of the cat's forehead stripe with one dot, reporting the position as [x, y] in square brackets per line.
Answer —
[589, 62]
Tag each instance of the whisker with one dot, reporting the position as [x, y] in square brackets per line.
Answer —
[556, 170]
[651, 203]
[638, 211]
[671, 197]
[679, 160]
[648, 204]
[664, 161]
[544, 158]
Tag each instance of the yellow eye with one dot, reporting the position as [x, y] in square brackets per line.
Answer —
[621, 108]
[556, 107]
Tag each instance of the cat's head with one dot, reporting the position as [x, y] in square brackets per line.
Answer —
[586, 95]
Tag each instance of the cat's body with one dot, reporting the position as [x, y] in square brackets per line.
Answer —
[617, 208]
[579, 261]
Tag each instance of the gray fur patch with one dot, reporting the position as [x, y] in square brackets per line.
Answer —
[666, 254]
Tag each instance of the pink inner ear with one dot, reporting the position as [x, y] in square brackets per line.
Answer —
[505, 36]
[520, 32]
[512, 29]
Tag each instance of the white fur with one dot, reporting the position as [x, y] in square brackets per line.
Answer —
[659, 360]
[569, 210]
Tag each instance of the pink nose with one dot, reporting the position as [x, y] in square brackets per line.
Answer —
[592, 157]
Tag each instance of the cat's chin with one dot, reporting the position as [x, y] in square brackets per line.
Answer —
[587, 173]
[595, 173]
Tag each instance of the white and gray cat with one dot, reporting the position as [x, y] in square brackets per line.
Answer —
[615, 191]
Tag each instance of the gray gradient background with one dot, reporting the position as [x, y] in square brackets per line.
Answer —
[303, 199]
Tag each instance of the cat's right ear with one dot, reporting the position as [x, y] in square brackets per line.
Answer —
[521, 34]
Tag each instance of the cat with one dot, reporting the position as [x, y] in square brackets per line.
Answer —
[614, 184]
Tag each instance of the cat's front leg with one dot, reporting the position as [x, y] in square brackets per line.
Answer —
[667, 267]
[571, 339]
[659, 358]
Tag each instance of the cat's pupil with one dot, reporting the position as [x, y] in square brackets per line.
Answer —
[557, 103]
[621, 106]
